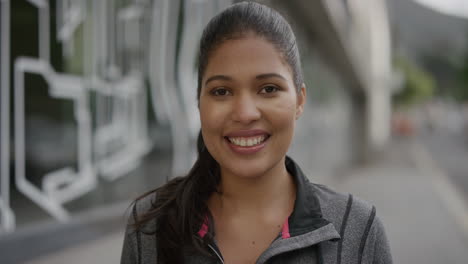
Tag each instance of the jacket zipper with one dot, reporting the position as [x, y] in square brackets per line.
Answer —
[217, 253]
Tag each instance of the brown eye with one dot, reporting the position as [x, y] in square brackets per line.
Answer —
[220, 92]
[269, 89]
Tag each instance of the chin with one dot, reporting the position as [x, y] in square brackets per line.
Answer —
[250, 168]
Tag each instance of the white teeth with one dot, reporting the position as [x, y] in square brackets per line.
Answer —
[247, 142]
[243, 143]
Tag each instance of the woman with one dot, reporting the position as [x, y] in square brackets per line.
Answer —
[244, 200]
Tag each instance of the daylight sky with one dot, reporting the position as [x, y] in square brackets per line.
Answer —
[457, 8]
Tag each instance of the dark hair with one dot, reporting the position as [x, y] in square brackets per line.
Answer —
[180, 206]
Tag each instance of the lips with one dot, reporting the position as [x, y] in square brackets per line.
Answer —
[247, 141]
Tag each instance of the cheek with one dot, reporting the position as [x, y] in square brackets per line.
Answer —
[283, 114]
[210, 118]
[207, 128]
[283, 120]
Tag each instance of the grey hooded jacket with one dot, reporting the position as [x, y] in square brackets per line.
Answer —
[325, 227]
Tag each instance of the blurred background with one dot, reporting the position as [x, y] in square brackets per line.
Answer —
[98, 105]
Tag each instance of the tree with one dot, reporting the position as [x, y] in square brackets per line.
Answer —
[418, 86]
[461, 90]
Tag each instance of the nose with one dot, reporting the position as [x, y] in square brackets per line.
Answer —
[245, 109]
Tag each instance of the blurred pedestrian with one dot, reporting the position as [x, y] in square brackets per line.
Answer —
[244, 200]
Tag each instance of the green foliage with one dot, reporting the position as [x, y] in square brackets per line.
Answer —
[461, 91]
[418, 86]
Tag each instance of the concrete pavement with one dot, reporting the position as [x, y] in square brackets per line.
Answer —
[105, 250]
[422, 224]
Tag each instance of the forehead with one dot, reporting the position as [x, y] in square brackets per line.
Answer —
[246, 56]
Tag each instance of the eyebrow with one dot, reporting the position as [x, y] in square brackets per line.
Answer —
[218, 77]
[258, 77]
[269, 75]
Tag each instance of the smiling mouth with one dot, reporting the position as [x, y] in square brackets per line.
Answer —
[247, 141]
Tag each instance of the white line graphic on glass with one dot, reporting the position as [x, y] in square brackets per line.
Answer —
[121, 105]
[129, 124]
[163, 84]
[70, 16]
[62, 185]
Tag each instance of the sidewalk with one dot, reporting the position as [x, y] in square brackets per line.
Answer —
[105, 250]
[424, 223]
[419, 223]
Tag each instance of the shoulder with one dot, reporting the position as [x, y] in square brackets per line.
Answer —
[362, 233]
[138, 209]
[336, 205]
[144, 203]
[351, 216]
[148, 203]
[139, 242]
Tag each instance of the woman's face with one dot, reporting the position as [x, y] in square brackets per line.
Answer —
[248, 106]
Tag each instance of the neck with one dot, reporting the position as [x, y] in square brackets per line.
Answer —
[273, 190]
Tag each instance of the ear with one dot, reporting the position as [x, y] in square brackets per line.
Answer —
[301, 99]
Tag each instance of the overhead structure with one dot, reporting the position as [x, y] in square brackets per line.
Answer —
[354, 38]
[457, 8]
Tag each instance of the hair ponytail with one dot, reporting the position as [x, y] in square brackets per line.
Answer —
[180, 207]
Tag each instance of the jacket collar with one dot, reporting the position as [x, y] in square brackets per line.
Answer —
[307, 214]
